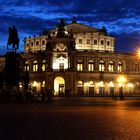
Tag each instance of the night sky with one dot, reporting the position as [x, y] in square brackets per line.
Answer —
[120, 17]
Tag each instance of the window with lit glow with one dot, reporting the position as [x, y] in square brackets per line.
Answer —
[111, 66]
[43, 84]
[43, 42]
[108, 43]
[32, 43]
[88, 41]
[37, 43]
[90, 65]
[102, 42]
[95, 42]
[79, 65]
[90, 82]
[26, 67]
[43, 65]
[101, 65]
[120, 65]
[80, 83]
[35, 66]
[27, 44]
[80, 41]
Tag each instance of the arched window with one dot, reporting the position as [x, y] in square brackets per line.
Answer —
[80, 65]
[80, 41]
[26, 67]
[88, 41]
[43, 65]
[102, 42]
[43, 83]
[95, 42]
[35, 66]
[101, 65]
[91, 83]
[120, 65]
[79, 83]
[111, 66]
[91, 65]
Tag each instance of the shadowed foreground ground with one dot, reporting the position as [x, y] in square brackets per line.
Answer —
[71, 119]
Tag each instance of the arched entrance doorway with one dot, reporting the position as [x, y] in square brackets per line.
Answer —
[59, 86]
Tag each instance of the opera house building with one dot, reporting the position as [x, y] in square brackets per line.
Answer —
[79, 60]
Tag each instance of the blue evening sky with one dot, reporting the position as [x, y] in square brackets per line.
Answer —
[120, 17]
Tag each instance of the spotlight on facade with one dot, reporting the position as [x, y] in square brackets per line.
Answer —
[121, 80]
[138, 53]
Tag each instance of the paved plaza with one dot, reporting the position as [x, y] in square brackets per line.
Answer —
[84, 118]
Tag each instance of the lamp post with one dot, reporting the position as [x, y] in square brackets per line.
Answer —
[121, 80]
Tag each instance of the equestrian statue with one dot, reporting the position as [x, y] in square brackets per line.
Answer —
[13, 39]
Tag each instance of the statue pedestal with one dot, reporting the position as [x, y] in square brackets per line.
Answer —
[12, 70]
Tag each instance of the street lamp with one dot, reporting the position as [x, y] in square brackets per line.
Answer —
[121, 80]
[138, 53]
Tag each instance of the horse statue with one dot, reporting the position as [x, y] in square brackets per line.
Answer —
[13, 38]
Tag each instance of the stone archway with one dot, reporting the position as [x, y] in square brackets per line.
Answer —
[59, 86]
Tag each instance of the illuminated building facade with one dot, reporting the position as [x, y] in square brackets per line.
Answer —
[79, 60]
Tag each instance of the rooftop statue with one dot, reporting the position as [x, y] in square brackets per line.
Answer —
[61, 28]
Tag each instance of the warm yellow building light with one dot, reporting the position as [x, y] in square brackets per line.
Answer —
[121, 79]
[138, 53]
[35, 84]
[101, 84]
[86, 84]
[130, 85]
[111, 84]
